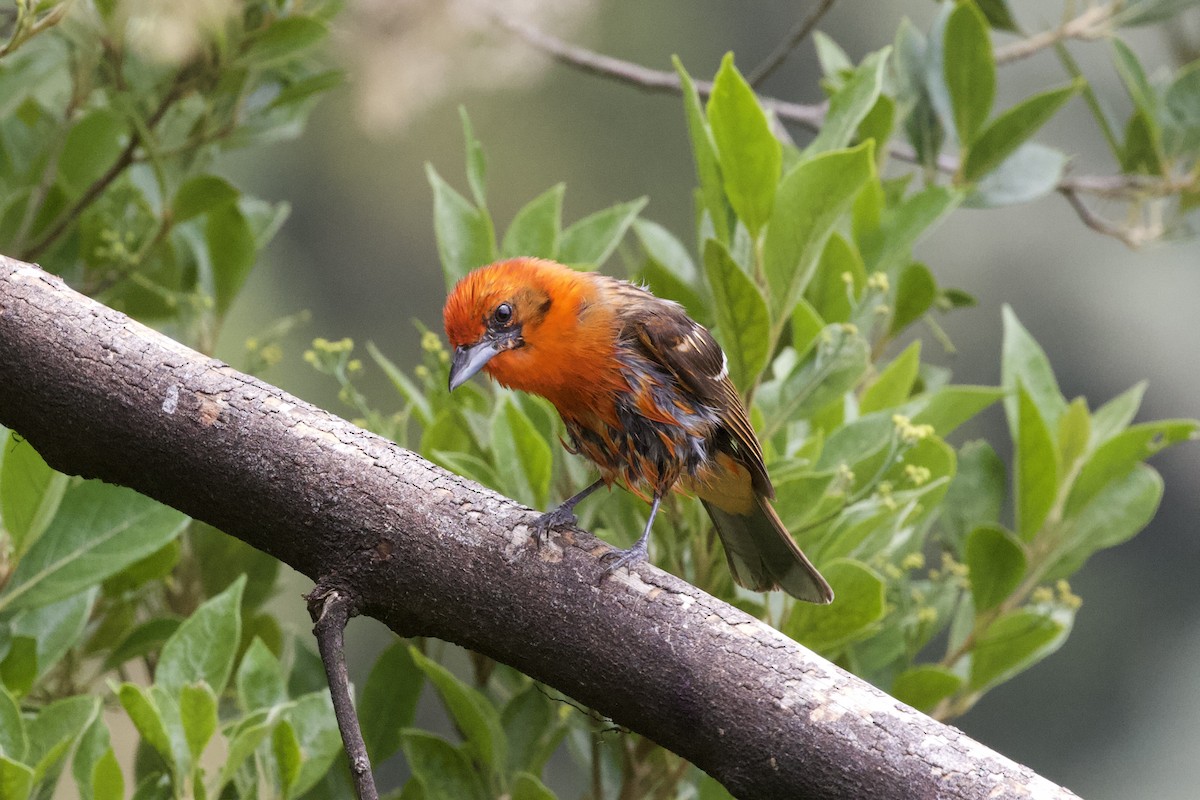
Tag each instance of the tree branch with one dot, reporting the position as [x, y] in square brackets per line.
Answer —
[1091, 24]
[811, 117]
[432, 554]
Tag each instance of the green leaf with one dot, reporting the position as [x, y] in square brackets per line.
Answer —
[888, 243]
[523, 457]
[859, 607]
[284, 39]
[412, 394]
[743, 325]
[445, 771]
[14, 743]
[1113, 515]
[389, 700]
[1014, 643]
[1023, 360]
[830, 55]
[895, 383]
[260, 680]
[202, 194]
[832, 368]
[915, 293]
[839, 281]
[316, 729]
[1147, 12]
[998, 14]
[534, 726]
[593, 239]
[476, 162]
[107, 781]
[20, 666]
[1115, 415]
[670, 271]
[704, 153]
[474, 715]
[806, 325]
[93, 745]
[244, 738]
[16, 780]
[812, 199]
[851, 103]
[924, 686]
[143, 711]
[1121, 453]
[968, 69]
[527, 787]
[1036, 467]
[203, 647]
[997, 562]
[30, 492]
[232, 249]
[976, 494]
[951, 406]
[286, 749]
[99, 530]
[198, 712]
[535, 229]
[1074, 433]
[91, 147]
[464, 233]
[749, 154]
[1010, 130]
[56, 627]
[223, 558]
[145, 638]
[1033, 171]
[1142, 151]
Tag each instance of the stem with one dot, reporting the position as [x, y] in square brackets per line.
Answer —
[330, 610]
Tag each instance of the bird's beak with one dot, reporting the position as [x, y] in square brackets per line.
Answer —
[469, 359]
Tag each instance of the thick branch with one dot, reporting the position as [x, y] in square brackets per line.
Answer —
[432, 554]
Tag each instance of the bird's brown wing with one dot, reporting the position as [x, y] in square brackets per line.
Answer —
[693, 357]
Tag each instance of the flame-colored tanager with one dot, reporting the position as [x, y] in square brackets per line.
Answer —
[644, 392]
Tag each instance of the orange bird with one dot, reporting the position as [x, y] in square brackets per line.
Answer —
[644, 392]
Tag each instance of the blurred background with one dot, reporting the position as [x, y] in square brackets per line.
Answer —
[1114, 714]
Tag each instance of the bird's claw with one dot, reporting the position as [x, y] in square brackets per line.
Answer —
[560, 517]
[624, 558]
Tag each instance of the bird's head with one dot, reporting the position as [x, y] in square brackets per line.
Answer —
[491, 313]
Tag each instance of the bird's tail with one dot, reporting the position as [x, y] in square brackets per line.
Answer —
[762, 555]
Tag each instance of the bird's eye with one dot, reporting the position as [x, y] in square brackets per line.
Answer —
[503, 313]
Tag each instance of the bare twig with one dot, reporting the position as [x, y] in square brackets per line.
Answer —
[1132, 238]
[330, 610]
[796, 35]
[1090, 25]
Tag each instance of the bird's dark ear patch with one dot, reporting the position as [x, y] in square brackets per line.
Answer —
[544, 308]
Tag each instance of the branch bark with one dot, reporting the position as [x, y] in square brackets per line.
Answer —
[433, 554]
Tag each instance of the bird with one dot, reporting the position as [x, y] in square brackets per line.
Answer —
[644, 393]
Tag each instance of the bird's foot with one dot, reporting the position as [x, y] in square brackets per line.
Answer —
[624, 558]
[561, 517]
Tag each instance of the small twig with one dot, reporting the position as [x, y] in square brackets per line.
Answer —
[1097, 223]
[1091, 24]
[795, 36]
[330, 610]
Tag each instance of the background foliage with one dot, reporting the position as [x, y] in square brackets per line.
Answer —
[950, 566]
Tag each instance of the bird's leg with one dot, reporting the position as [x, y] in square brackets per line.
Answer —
[563, 516]
[625, 558]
